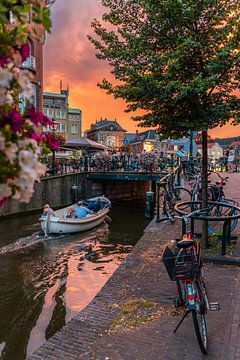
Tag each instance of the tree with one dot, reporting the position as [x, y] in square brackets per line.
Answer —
[176, 60]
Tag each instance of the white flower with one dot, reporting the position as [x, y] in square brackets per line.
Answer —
[5, 191]
[26, 159]
[2, 142]
[5, 77]
[11, 152]
[9, 98]
[25, 84]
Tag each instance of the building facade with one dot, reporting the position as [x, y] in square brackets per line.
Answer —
[108, 133]
[144, 141]
[67, 121]
[34, 63]
[214, 150]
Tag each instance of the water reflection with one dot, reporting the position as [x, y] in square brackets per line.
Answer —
[43, 287]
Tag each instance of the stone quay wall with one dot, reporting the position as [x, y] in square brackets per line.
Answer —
[58, 192]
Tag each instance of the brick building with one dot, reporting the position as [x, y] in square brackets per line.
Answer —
[68, 121]
[34, 63]
[108, 133]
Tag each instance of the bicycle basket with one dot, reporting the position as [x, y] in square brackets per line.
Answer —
[181, 267]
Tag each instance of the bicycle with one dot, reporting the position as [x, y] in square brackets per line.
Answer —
[216, 193]
[184, 265]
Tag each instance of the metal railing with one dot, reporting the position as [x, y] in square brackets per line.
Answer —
[113, 164]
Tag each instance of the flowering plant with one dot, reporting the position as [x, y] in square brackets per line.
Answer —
[22, 140]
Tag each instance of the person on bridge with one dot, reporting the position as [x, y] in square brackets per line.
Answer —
[81, 211]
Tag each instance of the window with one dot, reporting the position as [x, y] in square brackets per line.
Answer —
[50, 112]
[48, 101]
[63, 128]
[74, 128]
[22, 103]
[57, 113]
[45, 111]
[58, 101]
[63, 114]
[34, 95]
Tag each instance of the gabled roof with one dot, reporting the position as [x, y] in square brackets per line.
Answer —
[227, 141]
[209, 145]
[104, 124]
[144, 136]
[235, 143]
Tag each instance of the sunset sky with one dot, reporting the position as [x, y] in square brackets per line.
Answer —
[70, 57]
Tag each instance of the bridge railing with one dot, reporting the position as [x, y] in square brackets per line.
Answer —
[113, 164]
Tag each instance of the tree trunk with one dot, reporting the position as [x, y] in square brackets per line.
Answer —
[204, 186]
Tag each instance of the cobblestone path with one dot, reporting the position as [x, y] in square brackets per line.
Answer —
[142, 275]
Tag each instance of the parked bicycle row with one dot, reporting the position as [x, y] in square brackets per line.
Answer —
[145, 162]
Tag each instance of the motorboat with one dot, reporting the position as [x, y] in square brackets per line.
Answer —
[62, 224]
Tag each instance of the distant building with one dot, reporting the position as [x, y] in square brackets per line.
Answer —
[107, 132]
[184, 143]
[144, 141]
[68, 121]
[214, 150]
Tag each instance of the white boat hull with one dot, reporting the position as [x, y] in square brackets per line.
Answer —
[63, 225]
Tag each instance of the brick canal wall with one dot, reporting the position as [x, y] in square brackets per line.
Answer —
[57, 191]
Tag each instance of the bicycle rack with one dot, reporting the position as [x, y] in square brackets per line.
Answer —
[226, 233]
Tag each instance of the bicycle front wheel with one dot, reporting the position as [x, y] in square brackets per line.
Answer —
[200, 327]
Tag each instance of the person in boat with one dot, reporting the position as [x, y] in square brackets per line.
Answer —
[70, 213]
[81, 211]
[48, 210]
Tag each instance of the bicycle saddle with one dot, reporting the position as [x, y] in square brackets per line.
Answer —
[185, 244]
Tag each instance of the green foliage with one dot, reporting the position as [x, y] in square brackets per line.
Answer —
[177, 61]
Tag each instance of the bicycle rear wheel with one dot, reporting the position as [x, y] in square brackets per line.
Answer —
[216, 227]
[200, 327]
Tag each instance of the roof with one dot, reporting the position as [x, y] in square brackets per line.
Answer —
[227, 141]
[101, 124]
[46, 94]
[74, 111]
[209, 145]
[143, 136]
[235, 143]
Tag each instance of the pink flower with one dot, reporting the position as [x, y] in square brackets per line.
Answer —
[3, 201]
[14, 119]
[25, 51]
[52, 142]
[37, 137]
[38, 117]
[4, 59]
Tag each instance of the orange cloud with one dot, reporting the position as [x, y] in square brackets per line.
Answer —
[70, 57]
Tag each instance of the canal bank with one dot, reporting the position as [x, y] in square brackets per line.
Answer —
[109, 327]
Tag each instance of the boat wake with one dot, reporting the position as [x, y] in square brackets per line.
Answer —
[23, 243]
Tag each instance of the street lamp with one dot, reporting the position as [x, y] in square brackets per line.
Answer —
[53, 126]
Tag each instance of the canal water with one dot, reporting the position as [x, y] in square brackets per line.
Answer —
[44, 285]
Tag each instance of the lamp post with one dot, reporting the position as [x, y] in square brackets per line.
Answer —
[53, 127]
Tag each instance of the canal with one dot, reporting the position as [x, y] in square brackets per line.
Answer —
[43, 286]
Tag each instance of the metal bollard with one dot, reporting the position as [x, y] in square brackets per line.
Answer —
[149, 210]
[74, 193]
